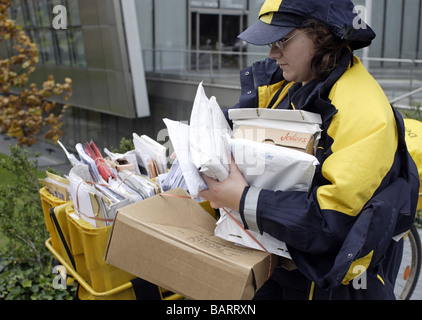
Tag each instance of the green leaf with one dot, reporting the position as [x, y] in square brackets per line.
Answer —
[26, 283]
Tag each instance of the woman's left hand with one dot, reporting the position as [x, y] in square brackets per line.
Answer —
[225, 193]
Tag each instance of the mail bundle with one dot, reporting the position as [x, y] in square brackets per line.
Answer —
[265, 144]
[99, 185]
[139, 194]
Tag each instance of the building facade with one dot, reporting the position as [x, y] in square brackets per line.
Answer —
[135, 62]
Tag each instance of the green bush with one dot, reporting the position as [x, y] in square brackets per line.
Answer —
[21, 217]
[26, 270]
[414, 114]
[124, 146]
[22, 281]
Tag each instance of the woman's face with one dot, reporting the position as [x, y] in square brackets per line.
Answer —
[295, 59]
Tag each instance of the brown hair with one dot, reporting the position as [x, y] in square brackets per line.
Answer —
[328, 48]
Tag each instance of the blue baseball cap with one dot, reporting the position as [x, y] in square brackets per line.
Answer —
[271, 27]
[278, 18]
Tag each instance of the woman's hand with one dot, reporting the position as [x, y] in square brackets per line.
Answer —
[225, 193]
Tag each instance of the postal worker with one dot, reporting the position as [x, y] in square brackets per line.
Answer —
[364, 191]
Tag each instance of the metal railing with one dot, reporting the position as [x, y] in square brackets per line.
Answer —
[214, 65]
[162, 60]
[407, 95]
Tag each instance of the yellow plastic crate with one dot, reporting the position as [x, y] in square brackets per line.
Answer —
[82, 249]
[49, 201]
[88, 248]
[87, 245]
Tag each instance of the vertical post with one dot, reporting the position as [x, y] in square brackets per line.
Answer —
[220, 38]
[198, 32]
[240, 46]
[188, 57]
[368, 19]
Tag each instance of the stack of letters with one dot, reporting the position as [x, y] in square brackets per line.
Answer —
[99, 186]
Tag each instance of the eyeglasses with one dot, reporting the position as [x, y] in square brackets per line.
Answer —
[281, 44]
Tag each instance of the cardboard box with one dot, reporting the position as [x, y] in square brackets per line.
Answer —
[284, 115]
[296, 129]
[170, 242]
[285, 138]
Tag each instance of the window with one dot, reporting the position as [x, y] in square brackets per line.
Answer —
[213, 41]
[59, 47]
[224, 4]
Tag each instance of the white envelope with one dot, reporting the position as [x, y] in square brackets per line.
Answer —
[229, 230]
[179, 136]
[80, 190]
[173, 178]
[148, 149]
[73, 160]
[129, 156]
[124, 190]
[209, 137]
[86, 159]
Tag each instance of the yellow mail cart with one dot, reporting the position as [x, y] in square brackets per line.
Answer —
[80, 248]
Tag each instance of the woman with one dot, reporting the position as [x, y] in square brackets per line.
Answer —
[364, 192]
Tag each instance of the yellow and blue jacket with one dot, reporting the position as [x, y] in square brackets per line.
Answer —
[365, 189]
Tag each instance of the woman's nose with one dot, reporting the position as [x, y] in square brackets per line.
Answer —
[275, 53]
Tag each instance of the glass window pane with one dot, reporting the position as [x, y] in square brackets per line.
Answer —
[16, 12]
[170, 42]
[56, 2]
[78, 49]
[46, 47]
[234, 4]
[43, 14]
[208, 40]
[204, 3]
[144, 11]
[230, 42]
[392, 41]
[31, 13]
[65, 58]
[73, 13]
[33, 34]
